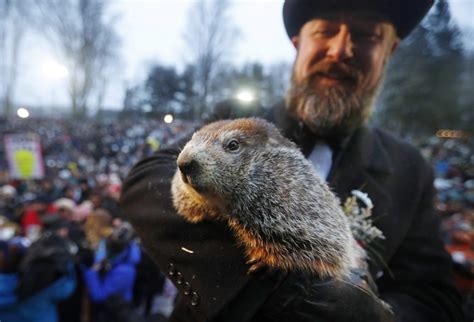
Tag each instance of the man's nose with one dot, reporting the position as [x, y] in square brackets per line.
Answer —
[340, 47]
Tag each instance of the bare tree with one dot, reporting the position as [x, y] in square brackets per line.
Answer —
[209, 36]
[277, 82]
[12, 29]
[87, 41]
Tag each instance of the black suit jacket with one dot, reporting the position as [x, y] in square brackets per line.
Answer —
[210, 271]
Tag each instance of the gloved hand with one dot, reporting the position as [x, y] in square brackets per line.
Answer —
[302, 297]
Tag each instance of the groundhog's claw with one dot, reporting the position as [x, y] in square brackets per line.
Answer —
[255, 267]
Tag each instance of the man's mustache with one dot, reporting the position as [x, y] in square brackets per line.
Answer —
[337, 70]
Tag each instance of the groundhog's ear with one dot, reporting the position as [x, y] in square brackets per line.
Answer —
[275, 138]
[268, 132]
[281, 141]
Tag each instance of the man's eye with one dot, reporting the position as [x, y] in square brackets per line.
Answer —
[324, 32]
[366, 36]
[233, 145]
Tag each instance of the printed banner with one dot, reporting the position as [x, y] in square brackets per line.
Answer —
[25, 160]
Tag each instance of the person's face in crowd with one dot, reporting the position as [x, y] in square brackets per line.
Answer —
[47, 185]
[65, 213]
[117, 222]
[38, 206]
[63, 232]
[338, 69]
[84, 186]
[96, 201]
[69, 193]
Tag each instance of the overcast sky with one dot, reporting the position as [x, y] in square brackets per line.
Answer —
[152, 31]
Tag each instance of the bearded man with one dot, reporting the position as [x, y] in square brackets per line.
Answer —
[342, 50]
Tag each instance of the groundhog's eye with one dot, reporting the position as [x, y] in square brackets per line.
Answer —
[232, 145]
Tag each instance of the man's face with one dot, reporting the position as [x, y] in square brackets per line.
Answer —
[338, 69]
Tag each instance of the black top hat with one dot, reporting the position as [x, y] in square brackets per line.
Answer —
[404, 14]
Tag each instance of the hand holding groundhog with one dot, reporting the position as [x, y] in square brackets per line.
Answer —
[247, 174]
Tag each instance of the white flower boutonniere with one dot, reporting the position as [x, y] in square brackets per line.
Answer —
[358, 208]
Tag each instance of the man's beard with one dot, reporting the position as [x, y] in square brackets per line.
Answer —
[331, 111]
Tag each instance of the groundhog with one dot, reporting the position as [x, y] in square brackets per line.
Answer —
[247, 174]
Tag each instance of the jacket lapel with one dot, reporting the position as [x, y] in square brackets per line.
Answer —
[363, 164]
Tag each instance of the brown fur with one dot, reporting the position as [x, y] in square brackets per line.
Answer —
[283, 215]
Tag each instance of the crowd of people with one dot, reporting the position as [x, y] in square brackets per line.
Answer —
[68, 254]
[453, 163]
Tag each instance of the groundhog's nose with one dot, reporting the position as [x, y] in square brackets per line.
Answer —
[187, 167]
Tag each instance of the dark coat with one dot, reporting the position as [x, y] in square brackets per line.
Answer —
[210, 271]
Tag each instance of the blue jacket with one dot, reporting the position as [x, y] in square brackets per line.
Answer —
[41, 307]
[118, 281]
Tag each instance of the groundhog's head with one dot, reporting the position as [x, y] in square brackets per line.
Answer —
[218, 158]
